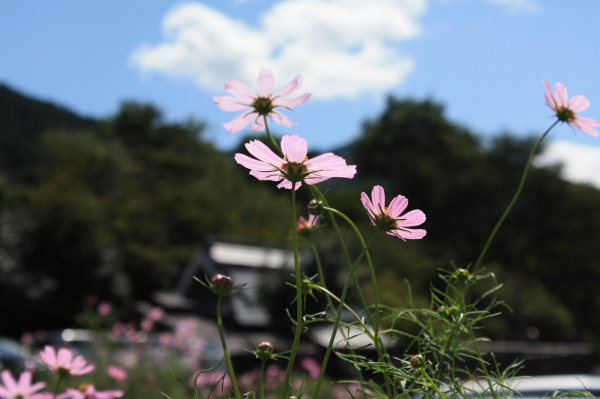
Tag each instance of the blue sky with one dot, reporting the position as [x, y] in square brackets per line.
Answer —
[485, 60]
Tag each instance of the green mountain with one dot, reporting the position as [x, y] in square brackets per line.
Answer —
[22, 121]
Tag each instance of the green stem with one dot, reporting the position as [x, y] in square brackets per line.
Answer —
[515, 197]
[57, 386]
[330, 294]
[315, 252]
[270, 135]
[338, 316]
[299, 298]
[236, 389]
[432, 384]
[261, 380]
[369, 262]
[332, 213]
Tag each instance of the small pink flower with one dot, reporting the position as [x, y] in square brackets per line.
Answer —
[147, 324]
[104, 308]
[261, 104]
[295, 166]
[88, 391]
[390, 219]
[566, 110]
[27, 338]
[117, 373]
[156, 313]
[65, 362]
[22, 389]
[304, 226]
[311, 366]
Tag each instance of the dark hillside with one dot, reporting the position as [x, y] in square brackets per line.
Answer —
[22, 120]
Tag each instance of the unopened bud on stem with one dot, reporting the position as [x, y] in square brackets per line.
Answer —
[315, 207]
[222, 284]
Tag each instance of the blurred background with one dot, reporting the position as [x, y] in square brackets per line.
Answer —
[117, 178]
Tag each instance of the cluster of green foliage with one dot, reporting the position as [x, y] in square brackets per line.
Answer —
[116, 210]
[117, 207]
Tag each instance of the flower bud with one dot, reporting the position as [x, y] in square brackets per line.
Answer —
[462, 274]
[265, 347]
[315, 207]
[417, 361]
[221, 284]
[264, 350]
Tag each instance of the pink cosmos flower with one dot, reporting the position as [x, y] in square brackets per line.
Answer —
[65, 362]
[306, 226]
[390, 219]
[104, 308]
[295, 166]
[261, 104]
[88, 391]
[566, 110]
[311, 366]
[22, 389]
[117, 373]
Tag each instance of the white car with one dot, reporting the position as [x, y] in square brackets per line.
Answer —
[544, 386]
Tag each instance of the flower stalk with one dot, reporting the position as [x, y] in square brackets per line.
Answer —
[515, 197]
[230, 369]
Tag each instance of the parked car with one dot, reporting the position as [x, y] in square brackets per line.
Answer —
[543, 386]
[13, 355]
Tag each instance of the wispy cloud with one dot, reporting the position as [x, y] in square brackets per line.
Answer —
[581, 163]
[519, 6]
[345, 48]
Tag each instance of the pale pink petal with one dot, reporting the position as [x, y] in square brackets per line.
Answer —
[85, 370]
[412, 218]
[562, 94]
[37, 386]
[269, 175]
[289, 88]
[48, 356]
[578, 104]
[78, 362]
[24, 380]
[240, 90]
[408, 234]
[258, 125]
[108, 394]
[397, 206]
[253, 164]
[265, 83]
[9, 382]
[294, 148]
[264, 153]
[294, 102]
[239, 122]
[550, 96]
[4, 393]
[378, 198]
[227, 103]
[325, 161]
[347, 171]
[281, 119]
[64, 356]
[288, 184]
[371, 210]
[586, 125]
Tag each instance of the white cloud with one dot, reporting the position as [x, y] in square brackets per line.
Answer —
[519, 6]
[344, 48]
[581, 163]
